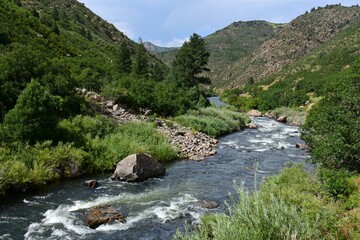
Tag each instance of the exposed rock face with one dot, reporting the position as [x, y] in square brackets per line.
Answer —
[207, 204]
[282, 119]
[91, 183]
[102, 214]
[254, 113]
[138, 168]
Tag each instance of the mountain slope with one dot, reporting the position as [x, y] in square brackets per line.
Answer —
[62, 44]
[294, 41]
[155, 49]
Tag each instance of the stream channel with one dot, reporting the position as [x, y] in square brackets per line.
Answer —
[157, 207]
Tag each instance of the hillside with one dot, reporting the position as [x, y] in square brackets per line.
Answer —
[62, 44]
[156, 49]
[290, 44]
[230, 44]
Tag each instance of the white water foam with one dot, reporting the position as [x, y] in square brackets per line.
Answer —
[65, 215]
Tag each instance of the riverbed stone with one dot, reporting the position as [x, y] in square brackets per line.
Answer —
[207, 204]
[254, 113]
[91, 183]
[251, 126]
[282, 119]
[137, 168]
[102, 214]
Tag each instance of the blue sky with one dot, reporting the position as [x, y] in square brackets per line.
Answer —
[170, 22]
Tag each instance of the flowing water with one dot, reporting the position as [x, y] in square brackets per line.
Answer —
[156, 208]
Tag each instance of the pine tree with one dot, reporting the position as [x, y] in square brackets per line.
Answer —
[140, 61]
[191, 61]
[124, 59]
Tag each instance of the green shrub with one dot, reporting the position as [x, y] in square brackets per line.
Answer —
[213, 121]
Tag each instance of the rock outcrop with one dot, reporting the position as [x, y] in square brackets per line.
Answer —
[102, 214]
[207, 204]
[138, 168]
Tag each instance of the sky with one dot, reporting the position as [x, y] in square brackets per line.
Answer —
[169, 23]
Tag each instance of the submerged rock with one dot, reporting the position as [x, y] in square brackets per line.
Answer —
[137, 168]
[207, 204]
[91, 183]
[102, 214]
[251, 126]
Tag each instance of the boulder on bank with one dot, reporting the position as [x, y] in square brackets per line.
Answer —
[91, 183]
[137, 168]
[302, 146]
[102, 214]
[254, 113]
[282, 119]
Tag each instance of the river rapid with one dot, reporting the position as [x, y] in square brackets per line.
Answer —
[155, 208]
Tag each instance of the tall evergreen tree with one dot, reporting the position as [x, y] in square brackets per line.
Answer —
[191, 61]
[124, 59]
[140, 61]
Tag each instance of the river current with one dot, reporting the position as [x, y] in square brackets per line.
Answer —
[155, 208]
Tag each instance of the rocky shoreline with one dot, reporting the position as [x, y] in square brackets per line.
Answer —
[188, 143]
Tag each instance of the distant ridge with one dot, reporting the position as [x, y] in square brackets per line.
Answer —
[156, 49]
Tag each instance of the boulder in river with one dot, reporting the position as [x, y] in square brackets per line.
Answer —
[102, 214]
[251, 126]
[91, 183]
[254, 113]
[137, 168]
[207, 204]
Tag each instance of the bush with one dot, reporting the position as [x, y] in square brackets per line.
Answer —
[213, 121]
[332, 127]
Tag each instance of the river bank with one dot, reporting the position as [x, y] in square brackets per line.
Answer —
[156, 208]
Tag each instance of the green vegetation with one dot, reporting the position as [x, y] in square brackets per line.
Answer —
[292, 205]
[213, 121]
[332, 128]
[48, 131]
[89, 144]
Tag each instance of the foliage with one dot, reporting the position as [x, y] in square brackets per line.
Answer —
[91, 144]
[213, 121]
[332, 127]
[34, 117]
[190, 61]
[288, 206]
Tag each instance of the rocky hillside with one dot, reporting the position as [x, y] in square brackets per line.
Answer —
[249, 52]
[156, 49]
[291, 43]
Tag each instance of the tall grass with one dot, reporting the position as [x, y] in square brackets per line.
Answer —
[289, 206]
[213, 121]
[91, 145]
[293, 115]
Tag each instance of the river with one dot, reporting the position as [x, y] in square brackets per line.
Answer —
[157, 207]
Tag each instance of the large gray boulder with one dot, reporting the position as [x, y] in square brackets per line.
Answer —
[137, 168]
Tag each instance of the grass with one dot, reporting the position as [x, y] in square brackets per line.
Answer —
[213, 121]
[292, 205]
[91, 145]
[293, 115]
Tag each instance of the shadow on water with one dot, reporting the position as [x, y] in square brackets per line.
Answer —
[157, 207]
